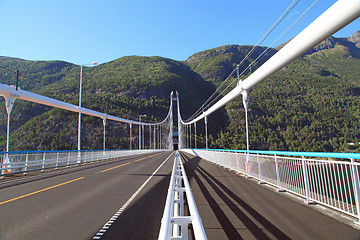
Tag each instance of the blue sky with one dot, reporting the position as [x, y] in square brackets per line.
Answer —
[85, 31]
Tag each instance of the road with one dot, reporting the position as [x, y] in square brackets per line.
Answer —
[125, 199]
[121, 199]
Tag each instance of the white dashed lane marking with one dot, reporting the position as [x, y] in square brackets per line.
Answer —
[118, 213]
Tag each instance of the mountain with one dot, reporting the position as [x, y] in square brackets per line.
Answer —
[125, 87]
[215, 65]
[352, 43]
[310, 105]
[355, 38]
[38, 73]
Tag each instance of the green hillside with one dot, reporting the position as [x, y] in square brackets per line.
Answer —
[313, 104]
[125, 87]
[310, 105]
[216, 64]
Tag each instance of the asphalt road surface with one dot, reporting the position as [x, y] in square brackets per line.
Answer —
[125, 199]
[121, 199]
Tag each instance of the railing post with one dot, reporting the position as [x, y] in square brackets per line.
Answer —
[84, 157]
[237, 162]
[57, 160]
[43, 163]
[247, 164]
[277, 173]
[355, 178]
[177, 177]
[259, 167]
[181, 198]
[68, 159]
[306, 180]
[26, 163]
[79, 157]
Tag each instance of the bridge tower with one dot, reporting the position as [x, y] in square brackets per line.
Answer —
[175, 128]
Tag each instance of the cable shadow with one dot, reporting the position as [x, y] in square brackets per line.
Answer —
[221, 189]
[229, 229]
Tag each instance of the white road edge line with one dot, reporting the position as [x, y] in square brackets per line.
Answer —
[116, 215]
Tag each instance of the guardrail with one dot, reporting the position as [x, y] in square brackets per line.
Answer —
[174, 223]
[334, 184]
[23, 162]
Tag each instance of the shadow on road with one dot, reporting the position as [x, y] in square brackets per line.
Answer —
[239, 207]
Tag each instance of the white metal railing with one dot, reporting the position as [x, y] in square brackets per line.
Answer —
[334, 184]
[22, 162]
[174, 223]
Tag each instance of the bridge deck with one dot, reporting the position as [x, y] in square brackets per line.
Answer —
[233, 207]
[77, 203]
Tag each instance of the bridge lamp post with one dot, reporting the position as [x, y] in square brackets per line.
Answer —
[80, 90]
[154, 136]
[195, 134]
[161, 136]
[190, 135]
[104, 134]
[245, 97]
[130, 137]
[143, 136]
[159, 139]
[149, 136]
[140, 126]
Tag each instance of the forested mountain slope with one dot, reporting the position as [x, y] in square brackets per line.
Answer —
[125, 87]
[313, 104]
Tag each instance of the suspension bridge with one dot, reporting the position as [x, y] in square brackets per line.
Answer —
[174, 190]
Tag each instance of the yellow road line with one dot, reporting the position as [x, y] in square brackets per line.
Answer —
[146, 157]
[115, 167]
[154, 155]
[141, 159]
[42, 190]
[129, 163]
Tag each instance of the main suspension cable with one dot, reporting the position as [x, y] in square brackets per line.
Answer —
[211, 99]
